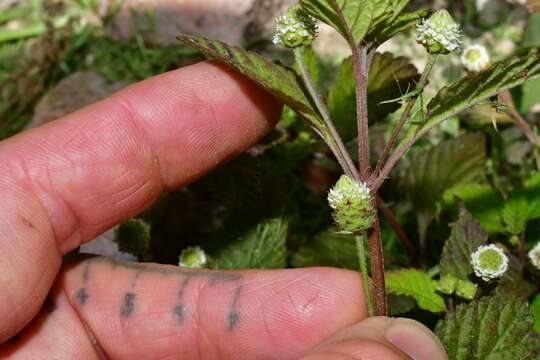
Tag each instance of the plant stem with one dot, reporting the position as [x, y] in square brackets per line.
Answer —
[362, 258]
[377, 268]
[406, 113]
[361, 71]
[336, 144]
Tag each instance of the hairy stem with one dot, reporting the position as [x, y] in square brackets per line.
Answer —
[361, 70]
[336, 143]
[362, 257]
[409, 105]
[377, 268]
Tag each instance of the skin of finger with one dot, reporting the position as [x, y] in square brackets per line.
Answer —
[56, 332]
[165, 311]
[365, 340]
[68, 181]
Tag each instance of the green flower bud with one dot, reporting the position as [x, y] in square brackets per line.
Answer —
[466, 289]
[439, 34]
[193, 257]
[133, 237]
[489, 262]
[354, 211]
[447, 284]
[294, 28]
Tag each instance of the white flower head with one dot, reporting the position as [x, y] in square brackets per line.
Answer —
[489, 262]
[294, 28]
[439, 34]
[352, 203]
[534, 255]
[475, 58]
[193, 257]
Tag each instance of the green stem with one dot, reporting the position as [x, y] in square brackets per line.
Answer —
[335, 143]
[362, 257]
[404, 116]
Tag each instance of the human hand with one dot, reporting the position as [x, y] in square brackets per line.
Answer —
[69, 181]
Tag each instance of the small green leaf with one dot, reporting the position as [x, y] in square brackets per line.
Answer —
[389, 76]
[260, 247]
[492, 328]
[277, 79]
[328, 249]
[351, 19]
[471, 90]
[465, 238]
[418, 285]
[531, 192]
[515, 214]
[440, 168]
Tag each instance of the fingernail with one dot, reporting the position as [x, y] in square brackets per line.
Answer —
[415, 340]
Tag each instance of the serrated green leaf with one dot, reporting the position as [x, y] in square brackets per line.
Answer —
[418, 285]
[260, 247]
[513, 282]
[389, 76]
[471, 90]
[277, 79]
[328, 249]
[351, 19]
[531, 192]
[515, 214]
[442, 167]
[400, 304]
[492, 328]
[465, 238]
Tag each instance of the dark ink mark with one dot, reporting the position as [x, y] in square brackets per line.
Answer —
[179, 312]
[129, 304]
[184, 286]
[234, 316]
[49, 305]
[136, 278]
[86, 272]
[82, 296]
[220, 277]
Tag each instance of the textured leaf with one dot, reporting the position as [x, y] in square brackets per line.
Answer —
[418, 285]
[277, 79]
[513, 282]
[484, 203]
[515, 214]
[440, 168]
[328, 249]
[532, 194]
[351, 19]
[474, 89]
[466, 236]
[261, 247]
[492, 328]
[389, 76]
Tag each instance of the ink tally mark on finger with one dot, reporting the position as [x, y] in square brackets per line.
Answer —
[179, 310]
[82, 295]
[129, 304]
[233, 317]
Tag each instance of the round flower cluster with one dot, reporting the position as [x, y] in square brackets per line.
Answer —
[475, 58]
[294, 28]
[489, 262]
[439, 34]
[354, 211]
[534, 256]
[193, 257]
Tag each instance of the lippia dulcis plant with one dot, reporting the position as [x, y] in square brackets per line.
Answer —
[365, 25]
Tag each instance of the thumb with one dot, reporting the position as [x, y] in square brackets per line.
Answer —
[381, 338]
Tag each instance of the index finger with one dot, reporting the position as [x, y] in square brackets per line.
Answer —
[66, 182]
